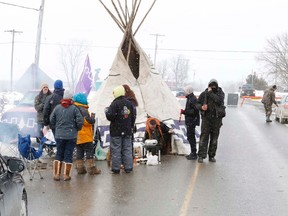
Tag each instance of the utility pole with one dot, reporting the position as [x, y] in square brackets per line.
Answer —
[38, 43]
[156, 47]
[13, 31]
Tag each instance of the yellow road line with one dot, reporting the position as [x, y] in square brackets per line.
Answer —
[189, 193]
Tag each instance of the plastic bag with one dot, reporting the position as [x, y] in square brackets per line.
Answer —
[48, 134]
[152, 160]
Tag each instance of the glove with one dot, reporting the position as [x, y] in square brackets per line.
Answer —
[182, 111]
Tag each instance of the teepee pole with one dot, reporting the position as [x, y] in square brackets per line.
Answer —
[119, 15]
[144, 18]
[113, 17]
[122, 11]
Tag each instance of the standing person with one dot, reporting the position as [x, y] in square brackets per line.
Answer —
[39, 102]
[192, 119]
[52, 101]
[66, 120]
[121, 116]
[85, 137]
[211, 105]
[268, 100]
[130, 95]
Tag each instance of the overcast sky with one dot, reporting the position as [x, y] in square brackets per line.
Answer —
[220, 38]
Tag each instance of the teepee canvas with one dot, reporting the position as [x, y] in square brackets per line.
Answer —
[132, 66]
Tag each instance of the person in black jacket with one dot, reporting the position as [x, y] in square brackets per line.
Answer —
[211, 105]
[192, 119]
[121, 116]
[52, 101]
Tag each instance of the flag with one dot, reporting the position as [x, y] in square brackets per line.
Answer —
[84, 84]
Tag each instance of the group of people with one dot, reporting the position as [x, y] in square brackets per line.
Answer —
[72, 125]
[210, 105]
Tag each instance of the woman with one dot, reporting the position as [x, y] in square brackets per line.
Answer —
[39, 102]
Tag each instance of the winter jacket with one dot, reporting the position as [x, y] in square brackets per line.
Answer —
[51, 102]
[39, 102]
[85, 135]
[66, 120]
[192, 116]
[121, 116]
[269, 97]
[214, 101]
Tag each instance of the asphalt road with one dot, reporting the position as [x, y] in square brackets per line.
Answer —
[250, 177]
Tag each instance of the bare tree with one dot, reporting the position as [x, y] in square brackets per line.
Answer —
[180, 67]
[162, 68]
[275, 59]
[72, 58]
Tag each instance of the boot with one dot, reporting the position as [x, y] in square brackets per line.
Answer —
[67, 171]
[57, 169]
[92, 169]
[268, 119]
[81, 169]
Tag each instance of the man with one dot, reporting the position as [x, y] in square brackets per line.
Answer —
[192, 119]
[268, 100]
[122, 118]
[159, 131]
[211, 105]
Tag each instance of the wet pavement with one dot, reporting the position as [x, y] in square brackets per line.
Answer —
[249, 178]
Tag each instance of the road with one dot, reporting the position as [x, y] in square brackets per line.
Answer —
[250, 177]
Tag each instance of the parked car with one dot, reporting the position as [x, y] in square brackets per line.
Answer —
[247, 90]
[13, 195]
[281, 112]
[23, 116]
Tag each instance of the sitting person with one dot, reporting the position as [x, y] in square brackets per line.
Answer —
[160, 132]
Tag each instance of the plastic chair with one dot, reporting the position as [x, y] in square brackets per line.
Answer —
[30, 155]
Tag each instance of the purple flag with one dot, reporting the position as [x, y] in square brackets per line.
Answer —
[84, 84]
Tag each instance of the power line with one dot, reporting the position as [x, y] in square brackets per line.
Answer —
[19, 6]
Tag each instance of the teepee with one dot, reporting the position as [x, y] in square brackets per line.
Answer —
[132, 66]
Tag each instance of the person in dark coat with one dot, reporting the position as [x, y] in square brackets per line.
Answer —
[39, 102]
[268, 100]
[211, 105]
[130, 95]
[192, 119]
[52, 101]
[66, 120]
[120, 113]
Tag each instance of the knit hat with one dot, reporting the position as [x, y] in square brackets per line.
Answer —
[44, 85]
[188, 89]
[118, 91]
[274, 87]
[213, 82]
[67, 95]
[58, 84]
[80, 98]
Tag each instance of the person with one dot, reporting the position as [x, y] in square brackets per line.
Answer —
[85, 137]
[212, 109]
[268, 100]
[66, 120]
[52, 101]
[159, 131]
[130, 95]
[192, 119]
[120, 113]
[39, 102]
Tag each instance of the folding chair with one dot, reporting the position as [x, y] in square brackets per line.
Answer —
[30, 155]
[48, 146]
